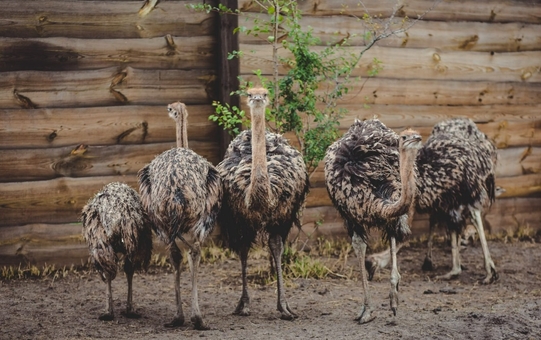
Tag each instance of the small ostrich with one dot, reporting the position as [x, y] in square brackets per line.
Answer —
[265, 186]
[182, 194]
[370, 176]
[457, 168]
[114, 222]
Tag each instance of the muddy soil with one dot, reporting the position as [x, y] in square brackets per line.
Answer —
[68, 308]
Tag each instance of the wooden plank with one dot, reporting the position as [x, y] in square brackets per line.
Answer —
[104, 87]
[459, 10]
[104, 19]
[431, 92]
[44, 128]
[68, 54]
[20, 165]
[414, 63]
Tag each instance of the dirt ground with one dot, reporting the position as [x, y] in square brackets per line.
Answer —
[68, 308]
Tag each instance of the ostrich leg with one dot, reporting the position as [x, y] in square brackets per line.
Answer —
[108, 315]
[428, 265]
[492, 275]
[130, 312]
[456, 270]
[276, 246]
[244, 302]
[395, 278]
[359, 246]
[176, 258]
[193, 260]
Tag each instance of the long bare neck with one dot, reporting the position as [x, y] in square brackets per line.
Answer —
[182, 132]
[260, 190]
[407, 192]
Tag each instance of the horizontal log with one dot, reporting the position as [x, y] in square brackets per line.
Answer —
[441, 35]
[104, 87]
[68, 54]
[461, 10]
[105, 19]
[431, 92]
[111, 125]
[20, 165]
[413, 63]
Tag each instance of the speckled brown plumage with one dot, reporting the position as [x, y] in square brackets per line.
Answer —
[114, 222]
[370, 176]
[265, 186]
[182, 194]
[457, 168]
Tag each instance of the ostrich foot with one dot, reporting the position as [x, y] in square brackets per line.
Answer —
[242, 308]
[371, 265]
[449, 276]
[130, 314]
[428, 265]
[178, 321]
[199, 324]
[365, 315]
[106, 317]
[492, 277]
[287, 314]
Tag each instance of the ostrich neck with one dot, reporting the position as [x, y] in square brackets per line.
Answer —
[407, 192]
[182, 132]
[259, 179]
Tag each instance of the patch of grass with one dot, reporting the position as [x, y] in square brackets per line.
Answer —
[33, 272]
[522, 233]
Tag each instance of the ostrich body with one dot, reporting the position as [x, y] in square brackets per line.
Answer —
[456, 170]
[265, 186]
[114, 222]
[182, 194]
[370, 176]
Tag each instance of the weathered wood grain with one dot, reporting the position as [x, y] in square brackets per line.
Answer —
[68, 54]
[104, 87]
[19, 165]
[414, 63]
[442, 35]
[57, 127]
[101, 19]
[460, 10]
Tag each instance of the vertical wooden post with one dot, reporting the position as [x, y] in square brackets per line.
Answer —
[229, 69]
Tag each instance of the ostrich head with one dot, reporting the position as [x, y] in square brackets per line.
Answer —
[410, 140]
[177, 110]
[258, 99]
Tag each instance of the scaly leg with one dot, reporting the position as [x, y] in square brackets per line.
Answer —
[175, 256]
[359, 246]
[428, 265]
[395, 277]
[277, 247]
[492, 275]
[108, 315]
[456, 270]
[130, 312]
[193, 260]
[244, 302]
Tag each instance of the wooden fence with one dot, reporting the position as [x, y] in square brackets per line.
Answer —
[84, 87]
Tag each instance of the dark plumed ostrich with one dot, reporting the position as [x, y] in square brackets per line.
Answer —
[370, 176]
[182, 194]
[457, 168]
[114, 222]
[265, 186]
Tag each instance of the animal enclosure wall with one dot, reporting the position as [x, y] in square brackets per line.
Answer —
[476, 59]
[84, 87]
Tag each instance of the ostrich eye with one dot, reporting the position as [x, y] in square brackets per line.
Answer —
[404, 137]
[249, 95]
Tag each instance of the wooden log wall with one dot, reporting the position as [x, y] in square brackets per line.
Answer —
[477, 59]
[84, 88]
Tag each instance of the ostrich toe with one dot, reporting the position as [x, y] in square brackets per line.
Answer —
[199, 324]
[178, 321]
[106, 317]
[365, 315]
[131, 314]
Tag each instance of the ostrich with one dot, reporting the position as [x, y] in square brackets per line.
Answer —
[265, 186]
[370, 176]
[456, 170]
[456, 181]
[182, 194]
[114, 222]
